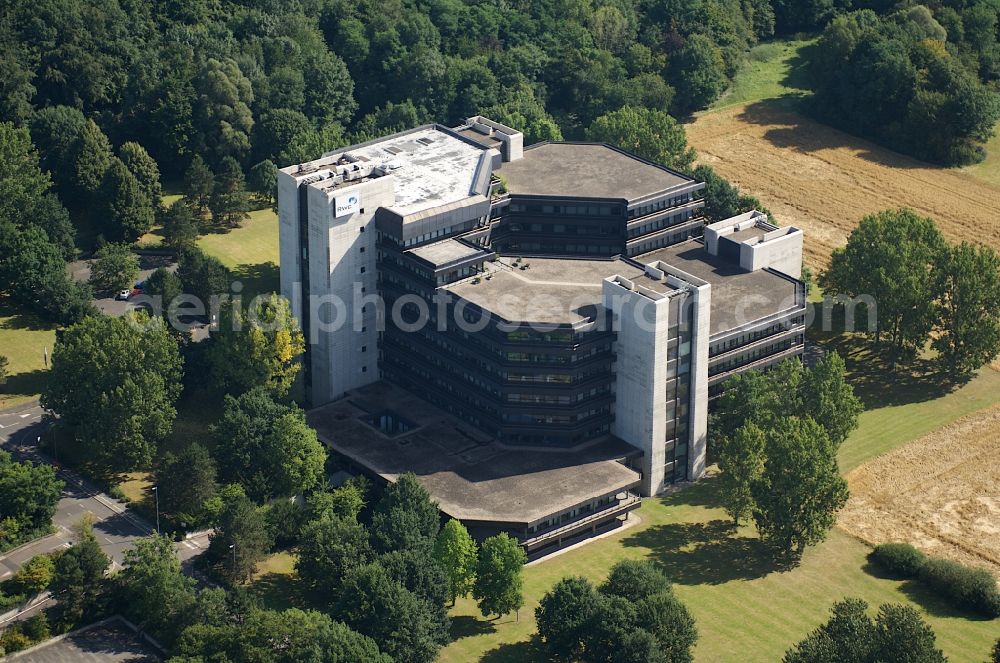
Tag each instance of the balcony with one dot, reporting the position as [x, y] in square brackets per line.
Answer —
[559, 533]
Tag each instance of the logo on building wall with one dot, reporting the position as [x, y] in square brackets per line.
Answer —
[345, 206]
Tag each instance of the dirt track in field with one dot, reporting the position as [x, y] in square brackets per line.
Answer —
[940, 493]
[824, 181]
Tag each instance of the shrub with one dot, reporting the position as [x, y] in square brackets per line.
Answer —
[966, 587]
[900, 559]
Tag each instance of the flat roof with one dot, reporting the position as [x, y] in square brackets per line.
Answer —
[743, 235]
[481, 138]
[445, 251]
[556, 291]
[739, 297]
[469, 474]
[588, 170]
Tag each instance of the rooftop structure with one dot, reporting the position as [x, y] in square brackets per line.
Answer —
[587, 170]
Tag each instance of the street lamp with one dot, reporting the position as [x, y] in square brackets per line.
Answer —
[232, 546]
[156, 494]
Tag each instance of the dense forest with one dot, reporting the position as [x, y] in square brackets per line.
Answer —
[100, 101]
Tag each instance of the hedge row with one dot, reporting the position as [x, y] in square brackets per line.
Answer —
[964, 586]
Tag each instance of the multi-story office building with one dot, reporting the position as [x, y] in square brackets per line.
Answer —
[536, 332]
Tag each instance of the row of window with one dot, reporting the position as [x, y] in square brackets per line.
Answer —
[750, 356]
[656, 206]
[660, 224]
[557, 399]
[573, 514]
[568, 210]
[751, 336]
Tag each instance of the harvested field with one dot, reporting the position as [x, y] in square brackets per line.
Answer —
[824, 180]
[941, 493]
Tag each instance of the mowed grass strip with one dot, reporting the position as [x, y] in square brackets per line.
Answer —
[989, 170]
[748, 609]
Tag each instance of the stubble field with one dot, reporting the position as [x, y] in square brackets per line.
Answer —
[940, 492]
[823, 180]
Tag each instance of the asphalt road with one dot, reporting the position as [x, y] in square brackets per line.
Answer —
[115, 527]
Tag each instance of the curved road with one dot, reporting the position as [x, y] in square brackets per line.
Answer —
[115, 526]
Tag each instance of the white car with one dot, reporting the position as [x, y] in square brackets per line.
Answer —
[123, 295]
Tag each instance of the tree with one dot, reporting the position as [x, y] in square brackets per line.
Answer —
[741, 460]
[635, 580]
[698, 72]
[456, 552]
[651, 134]
[829, 399]
[186, 481]
[663, 616]
[222, 116]
[92, 159]
[154, 592]
[267, 447]
[34, 576]
[203, 276]
[296, 456]
[892, 256]
[564, 616]
[180, 230]
[144, 168]
[499, 582]
[165, 285]
[800, 490]
[378, 606]
[417, 571]
[78, 577]
[115, 267]
[329, 549]
[229, 202]
[897, 634]
[240, 541]
[968, 308]
[257, 347]
[996, 652]
[28, 497]
[267, 636]
[405, 517]
[4, 369]
[128, 211]
[198, 183]
[263, 180]
[115, 382]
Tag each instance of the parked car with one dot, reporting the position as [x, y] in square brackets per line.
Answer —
[123, 295]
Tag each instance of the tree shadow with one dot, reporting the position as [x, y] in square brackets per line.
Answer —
[16, 319]
[926, 598]
[708, 553]
[27, 383]
[794, 128]
[916, 380]
[515, 652]
[798, 71]
[464, 626]
[258, 279]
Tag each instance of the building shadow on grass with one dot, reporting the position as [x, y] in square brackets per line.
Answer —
[515, 652]
[464, 626]
[704, 493]
[706, 553]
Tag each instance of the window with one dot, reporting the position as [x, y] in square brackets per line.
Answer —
[362, 228]
[362, 270]
[364, 348]
[362, 249]
[364, 369]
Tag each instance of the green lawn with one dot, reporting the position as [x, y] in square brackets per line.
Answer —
[772, 70]
[275, 584]
[747, 609]
[23, 339]
[251, 251]
[989, 170]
